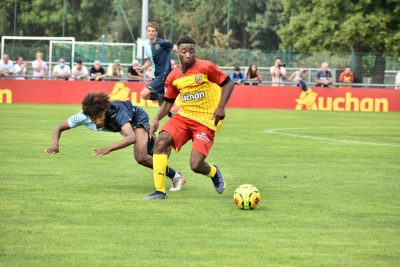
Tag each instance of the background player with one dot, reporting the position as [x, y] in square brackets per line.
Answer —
[198, 82]
[99, 114]
[158, 54]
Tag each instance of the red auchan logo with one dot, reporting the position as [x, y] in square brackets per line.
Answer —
[311, 101]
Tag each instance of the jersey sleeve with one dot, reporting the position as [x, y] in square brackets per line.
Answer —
[167, 45]
[171, 92]
[78, 120]
[214, 74]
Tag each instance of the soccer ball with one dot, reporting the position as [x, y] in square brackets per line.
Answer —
[246, 197]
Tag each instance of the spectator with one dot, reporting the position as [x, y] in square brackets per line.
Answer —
[173, 64]
[323, 77]
[346, 76]
[298, 76]
[79, 72]
[20, 68]
[278, 72]
[114, 70]
[97, 73]
[134, 72]
[6, 66]
[253, 76]
[397, 83]
[61, 71]
[236, 76]
[40, 68]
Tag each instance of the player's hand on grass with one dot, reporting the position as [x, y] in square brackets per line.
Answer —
[218, 115]
[101, 151]
[154, 127]
[52, 149]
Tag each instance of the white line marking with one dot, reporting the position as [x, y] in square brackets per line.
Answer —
[275, 131]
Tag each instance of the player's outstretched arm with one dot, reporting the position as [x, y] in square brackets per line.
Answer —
[162, 112]
[54, 148]
[129, 139]
[219, 113]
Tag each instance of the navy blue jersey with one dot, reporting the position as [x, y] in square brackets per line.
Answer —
[122, 112]
[159, 54]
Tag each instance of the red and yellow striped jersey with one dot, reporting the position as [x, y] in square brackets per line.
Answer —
[197, 92]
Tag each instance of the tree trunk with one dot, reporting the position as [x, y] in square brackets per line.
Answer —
[357, 64]
[378, 72]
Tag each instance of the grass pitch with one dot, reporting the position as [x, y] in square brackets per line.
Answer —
[329, 184]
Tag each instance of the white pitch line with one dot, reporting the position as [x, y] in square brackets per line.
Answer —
[275, 131]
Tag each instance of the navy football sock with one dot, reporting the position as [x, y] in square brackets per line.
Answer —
[170, 172]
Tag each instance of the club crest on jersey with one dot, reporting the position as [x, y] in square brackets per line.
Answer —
[197, 79]
[157, 46]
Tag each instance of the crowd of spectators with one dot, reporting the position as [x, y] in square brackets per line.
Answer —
[115, 72]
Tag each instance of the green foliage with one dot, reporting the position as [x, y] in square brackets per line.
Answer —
[322, 202]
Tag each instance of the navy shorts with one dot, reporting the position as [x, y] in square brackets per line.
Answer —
[157, 84]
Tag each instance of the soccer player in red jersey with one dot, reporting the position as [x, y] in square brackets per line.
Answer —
[197, 85]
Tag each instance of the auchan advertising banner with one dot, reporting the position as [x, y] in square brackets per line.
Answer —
[330, 99]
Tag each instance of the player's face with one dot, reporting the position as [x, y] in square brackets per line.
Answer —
[187, 54]
[99, 120]
[151, 33]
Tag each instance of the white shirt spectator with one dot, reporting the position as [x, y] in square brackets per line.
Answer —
[18, 68]
[82, 72]
[64, 70]
[397, 84]
[6, 67]
[43, 69]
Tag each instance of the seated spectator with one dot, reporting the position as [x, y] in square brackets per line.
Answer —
[20, 68]
[236, 76]
[114, 70]
[61, 71]
[97, 72]
[346, 76]
[253, 76]
[40, 69]
[6, 66]
[133, 71]
[298, 76]
[172, 64]
[397, 81]
[278, 72]
[79, 71]
[323, 77]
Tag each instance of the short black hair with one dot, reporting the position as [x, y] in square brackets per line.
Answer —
[185, 39]
[79, 61]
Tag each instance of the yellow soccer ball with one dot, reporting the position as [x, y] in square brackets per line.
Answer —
[246, 197]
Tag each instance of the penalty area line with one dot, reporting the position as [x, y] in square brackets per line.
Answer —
[279, 131]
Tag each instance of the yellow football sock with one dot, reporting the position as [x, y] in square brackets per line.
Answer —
[213, 171]
[160, 162]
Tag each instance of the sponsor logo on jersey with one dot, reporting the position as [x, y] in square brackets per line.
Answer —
[191, 97]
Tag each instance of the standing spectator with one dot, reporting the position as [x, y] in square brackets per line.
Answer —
[133, 71]
[323, 77]
[79, 72]
[397, 83]
[114, 70]
[236, 76]
[61, 71]
[40, 68]
[346, 76]
[298, 76]
[6, 66]
[97, 73]
[253, 76]
[278, 72]
[20, 68]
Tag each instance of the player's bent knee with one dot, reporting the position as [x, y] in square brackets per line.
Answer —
[196, 165]
[161, 145]
[145, 93]
[142, 160]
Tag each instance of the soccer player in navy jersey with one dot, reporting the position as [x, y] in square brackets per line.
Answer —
[158, 56]
[100, 114]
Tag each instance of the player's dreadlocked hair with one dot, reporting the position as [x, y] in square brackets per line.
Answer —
[185, 40]
[95, 103]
